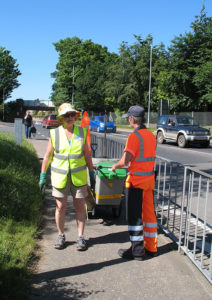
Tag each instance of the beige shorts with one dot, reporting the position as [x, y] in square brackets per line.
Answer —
[76, 191]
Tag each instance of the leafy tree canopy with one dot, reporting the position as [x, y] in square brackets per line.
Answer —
[104, 81]
[81, 68]
[8, 74]
[190, 70]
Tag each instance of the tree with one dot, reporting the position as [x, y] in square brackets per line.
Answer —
[91, 62]
[128, 81]
[8, 74]
[189, 81]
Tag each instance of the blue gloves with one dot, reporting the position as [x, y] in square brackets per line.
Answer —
[42, 182]
[92, 179]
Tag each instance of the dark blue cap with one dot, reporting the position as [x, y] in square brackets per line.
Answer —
[134, 111]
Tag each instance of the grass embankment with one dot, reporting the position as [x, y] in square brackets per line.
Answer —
[20, 213]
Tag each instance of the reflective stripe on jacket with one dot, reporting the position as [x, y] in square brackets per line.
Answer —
[68, 159]
[141, 168]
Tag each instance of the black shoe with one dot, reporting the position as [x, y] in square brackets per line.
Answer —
[150, 253]
[127, 254]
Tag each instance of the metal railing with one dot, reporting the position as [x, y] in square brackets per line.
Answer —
[196, 219]
[106, 147]
[183, 203]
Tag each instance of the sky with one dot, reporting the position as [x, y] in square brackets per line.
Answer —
[29, 29]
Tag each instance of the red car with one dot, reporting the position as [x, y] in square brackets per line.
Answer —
[50, 121]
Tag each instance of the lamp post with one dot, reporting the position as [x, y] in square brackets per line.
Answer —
[72, 99]
[3, 106]
[150, 77]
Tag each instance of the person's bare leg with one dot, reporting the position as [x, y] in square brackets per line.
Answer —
[60, 213]
[79, 205]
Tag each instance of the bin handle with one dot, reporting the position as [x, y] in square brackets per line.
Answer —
[99, 169]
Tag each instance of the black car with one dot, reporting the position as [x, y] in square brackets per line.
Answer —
[183, 130]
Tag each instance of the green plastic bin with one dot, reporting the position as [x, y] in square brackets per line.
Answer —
[109, 185]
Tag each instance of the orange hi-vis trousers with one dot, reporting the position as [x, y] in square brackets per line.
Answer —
[149, 221]
[142, 222]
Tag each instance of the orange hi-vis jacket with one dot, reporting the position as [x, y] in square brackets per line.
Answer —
[142, 146]
[85, 123]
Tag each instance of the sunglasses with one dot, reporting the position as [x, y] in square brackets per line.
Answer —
[70, 114]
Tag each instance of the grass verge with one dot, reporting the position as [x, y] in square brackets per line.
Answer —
[20, 214]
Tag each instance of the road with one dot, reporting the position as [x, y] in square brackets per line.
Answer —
[194, 156]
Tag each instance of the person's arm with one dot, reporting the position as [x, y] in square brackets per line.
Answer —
[89, 163]
[88, 159]
[124, 161]
[47, 157]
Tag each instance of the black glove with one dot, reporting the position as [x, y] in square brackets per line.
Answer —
[92, 179]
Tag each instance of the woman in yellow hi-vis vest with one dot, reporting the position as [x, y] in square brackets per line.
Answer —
[140, 154]
[70, 156]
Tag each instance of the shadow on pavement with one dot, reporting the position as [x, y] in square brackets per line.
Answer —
[74, 271]
[53, 289]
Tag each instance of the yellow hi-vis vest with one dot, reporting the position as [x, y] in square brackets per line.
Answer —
[68, 159]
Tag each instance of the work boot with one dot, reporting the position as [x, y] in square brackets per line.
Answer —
[127, 254]
[150, 253]
[60, 241]
[81, 244]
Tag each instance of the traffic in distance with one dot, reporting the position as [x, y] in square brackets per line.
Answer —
[50, 121]
[195, 156]
[183, 130]
[97, 123]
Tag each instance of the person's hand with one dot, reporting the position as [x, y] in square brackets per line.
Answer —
[42, 182]
[92, 179]
[113, 168]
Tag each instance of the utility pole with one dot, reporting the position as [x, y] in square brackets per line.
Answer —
[72, 99]
[150, 78]
[3, 106]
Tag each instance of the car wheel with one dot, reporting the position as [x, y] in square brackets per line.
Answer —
[205, 144]
[160, 137]
[114, 130]
[181, 141]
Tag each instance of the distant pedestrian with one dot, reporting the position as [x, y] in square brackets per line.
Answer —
[70, 156]
[140, 154]
[28, 124]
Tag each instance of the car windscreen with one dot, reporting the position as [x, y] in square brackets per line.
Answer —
[181, 120]
[102, 119]
[53, 117]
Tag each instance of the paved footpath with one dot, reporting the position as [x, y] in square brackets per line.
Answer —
[99, 273]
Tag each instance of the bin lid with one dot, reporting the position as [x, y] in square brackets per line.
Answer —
[105, 172]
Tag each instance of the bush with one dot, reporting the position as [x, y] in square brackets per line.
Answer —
[20, 214]
[19, 176]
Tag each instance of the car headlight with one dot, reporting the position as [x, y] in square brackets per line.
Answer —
[189, 131]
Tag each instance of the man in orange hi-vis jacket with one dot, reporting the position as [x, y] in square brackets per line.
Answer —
[85, 123]
[140, 154]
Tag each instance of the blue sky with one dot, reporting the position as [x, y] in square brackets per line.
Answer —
[28, 28]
